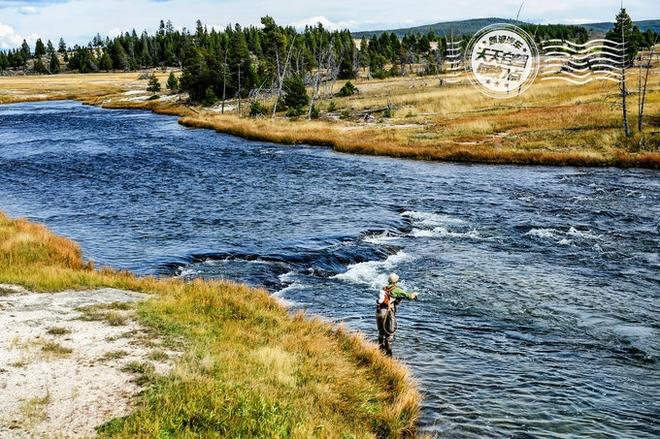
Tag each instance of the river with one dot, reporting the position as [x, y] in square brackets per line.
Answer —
[539, 310]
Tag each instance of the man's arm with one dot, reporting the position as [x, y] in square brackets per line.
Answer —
[399, 293]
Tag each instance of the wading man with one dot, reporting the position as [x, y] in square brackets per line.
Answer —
[390, 296]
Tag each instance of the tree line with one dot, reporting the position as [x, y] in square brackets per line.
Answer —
[265, 60]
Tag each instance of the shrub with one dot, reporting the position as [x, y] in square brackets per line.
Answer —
[295, 92]
[348, 90]
[379, 74]
[154, 84]
[315, 113]
[332, 107]
[389, 111]
[258, 109]
[209, 98]
[172, 83]
[295, 111]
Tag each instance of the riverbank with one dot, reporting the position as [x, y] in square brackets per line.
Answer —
[245, 368]
[552, 124]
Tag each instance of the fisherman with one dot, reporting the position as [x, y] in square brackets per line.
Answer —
[390, 296]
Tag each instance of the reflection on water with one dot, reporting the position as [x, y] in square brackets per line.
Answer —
[540, 291]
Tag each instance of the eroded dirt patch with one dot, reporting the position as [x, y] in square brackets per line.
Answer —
[71, 361]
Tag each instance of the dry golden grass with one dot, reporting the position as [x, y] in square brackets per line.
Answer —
[249, 370]
[553, 123]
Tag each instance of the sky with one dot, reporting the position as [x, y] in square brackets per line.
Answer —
[77, 21]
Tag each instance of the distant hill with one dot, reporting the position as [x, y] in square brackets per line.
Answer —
[642, 25]
[465, 27]
[462, 27]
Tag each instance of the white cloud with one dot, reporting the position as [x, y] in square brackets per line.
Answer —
[28, 10]
[327, 23]
[10, 39]
[578, 21]
[114, 32]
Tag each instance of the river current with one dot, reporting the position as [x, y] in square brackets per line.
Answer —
[539, 310]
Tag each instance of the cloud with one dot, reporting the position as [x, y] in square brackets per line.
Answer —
[114, 32]
[327, 23]
[28, 3]
[28, 10]
[10, 39]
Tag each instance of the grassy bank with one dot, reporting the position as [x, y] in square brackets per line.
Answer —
[553, 123]
[249, 368]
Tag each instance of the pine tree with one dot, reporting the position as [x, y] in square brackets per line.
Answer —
[172, 83]
[49, 48]
[624, 33]
[54, 64]
[39, 66]
[61, 46]
[106, 62]
[295, 96]
[154, 84]
[25, 50]
[39, 48]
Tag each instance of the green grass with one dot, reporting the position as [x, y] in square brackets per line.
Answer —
[57, 330]
[55, 348]
[248, 368]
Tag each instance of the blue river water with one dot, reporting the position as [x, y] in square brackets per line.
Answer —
[539, 310]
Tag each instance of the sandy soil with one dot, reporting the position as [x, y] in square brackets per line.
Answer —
[67, 360]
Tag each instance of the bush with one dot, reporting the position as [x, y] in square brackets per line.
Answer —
[154, 84]
[315, 113]
[332, 107]
[345, 114]
[295, 92]
[348, 90]
[389, 111]
[172, 83]
[209, 98]
[379, 74]
[295, 111]
[258, 109]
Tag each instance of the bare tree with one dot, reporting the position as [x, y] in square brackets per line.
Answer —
[642, 85]
[622, 84]
[281, 74]
[224, 81]
[322, 54]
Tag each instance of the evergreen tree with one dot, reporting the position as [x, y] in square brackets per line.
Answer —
[295, 93]
[61, 46]
[105, 63]
[4, 61]
[172, 83]
[49, 48]
[54, 64]
[25, 50]
[154, 84]
[39, 48]
[39, 66]
[624, 33]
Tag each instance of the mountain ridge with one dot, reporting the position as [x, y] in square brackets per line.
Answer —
[471, 26]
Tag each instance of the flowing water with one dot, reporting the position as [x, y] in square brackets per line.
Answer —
[539, 310]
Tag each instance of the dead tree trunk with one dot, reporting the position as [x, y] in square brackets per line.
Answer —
[624, 91]
[224, 82]
[322, 56]
[643, 86]
[280, 75]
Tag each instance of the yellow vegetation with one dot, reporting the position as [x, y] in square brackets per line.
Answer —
[249, 368]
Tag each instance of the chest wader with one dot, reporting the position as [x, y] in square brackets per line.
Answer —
[386, 320]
